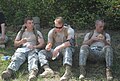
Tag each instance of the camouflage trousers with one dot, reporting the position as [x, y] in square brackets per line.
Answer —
[87, 52]
[19, 58]
[67, 53]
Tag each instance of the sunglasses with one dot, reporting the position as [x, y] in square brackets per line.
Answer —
[59, 27]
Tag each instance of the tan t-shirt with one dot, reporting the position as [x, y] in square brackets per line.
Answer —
[30, 36]
[57, 38]
[101, 44]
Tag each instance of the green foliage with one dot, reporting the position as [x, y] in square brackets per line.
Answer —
[80, 14]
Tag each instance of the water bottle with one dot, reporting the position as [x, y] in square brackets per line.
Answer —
[2, 46]
[5, 58]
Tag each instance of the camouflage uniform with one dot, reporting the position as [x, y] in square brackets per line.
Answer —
[57, 39]
[96, 51]
[22, 53]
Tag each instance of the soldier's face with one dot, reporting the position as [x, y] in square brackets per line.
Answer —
[99, 27]
[58, 26]
[29, 24]
[58, 29]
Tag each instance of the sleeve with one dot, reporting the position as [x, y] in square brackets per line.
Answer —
[18, 36]
[108, 37]
[86, 37]
[40, 34]
[71, 34]
[50, 36]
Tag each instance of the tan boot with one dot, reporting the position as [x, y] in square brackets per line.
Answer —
[32, 75]
[47, 73]
[7, 74]
[109, 74]
[67, 75]
[82, 72]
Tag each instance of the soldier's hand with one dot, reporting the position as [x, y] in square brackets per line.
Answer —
[30, 46]
[23, 41]
[55, 51]
[95, 39]
[48, 46]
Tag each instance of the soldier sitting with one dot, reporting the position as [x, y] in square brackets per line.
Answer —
[29, 40]
[96, 44]
[60, 42]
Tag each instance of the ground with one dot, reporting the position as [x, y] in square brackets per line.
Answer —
[95, 71]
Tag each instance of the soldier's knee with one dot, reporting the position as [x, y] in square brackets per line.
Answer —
[69, 50]
[20, 58]
[108, 48]
[41, 52]
[84, 47]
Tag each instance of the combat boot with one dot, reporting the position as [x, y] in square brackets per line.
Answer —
[82, 72]
[109, 74]
[48, 72]
[67, 75]
[32, 75]
[7, 74]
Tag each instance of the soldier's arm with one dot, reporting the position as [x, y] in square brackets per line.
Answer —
[50, 40]
[18, 42]
[64, 45]
[70, 39]
[88, 41]
[107, 40]
[41, 43]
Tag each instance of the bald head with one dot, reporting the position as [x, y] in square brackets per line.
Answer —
[99, 24]
[99, 21]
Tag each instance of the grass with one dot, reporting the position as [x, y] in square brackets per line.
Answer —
[95, 71]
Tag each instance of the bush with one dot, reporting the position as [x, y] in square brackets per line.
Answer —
[79, 13]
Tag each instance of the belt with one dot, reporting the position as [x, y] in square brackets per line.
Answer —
[99, 48]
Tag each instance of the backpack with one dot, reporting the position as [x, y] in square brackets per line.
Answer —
[34, 31]
[92, 32]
